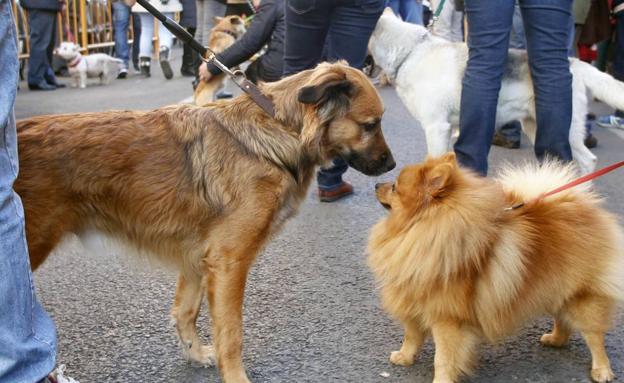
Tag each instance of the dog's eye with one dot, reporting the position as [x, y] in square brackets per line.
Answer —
[369, 126]
[393, 188]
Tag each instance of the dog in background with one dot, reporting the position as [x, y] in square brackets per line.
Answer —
[80, 67]
[451, 261]
[225, 33]
[200, 188]
[427, 72]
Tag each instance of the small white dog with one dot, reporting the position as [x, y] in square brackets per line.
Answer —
[428, 70]
[94, 65]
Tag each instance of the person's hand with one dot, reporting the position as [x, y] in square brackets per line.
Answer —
[204, 74]
[256, 3]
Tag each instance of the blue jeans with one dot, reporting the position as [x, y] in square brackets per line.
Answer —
[546, 24]
[121, 22]
[343, 27]
[27, 334]
[410, 11]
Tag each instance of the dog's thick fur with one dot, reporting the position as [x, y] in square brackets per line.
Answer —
[427, 72]
[95, 65]
[452, 262]
[202, 188]
[225, 33]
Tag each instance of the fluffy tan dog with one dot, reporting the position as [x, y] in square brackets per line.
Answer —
[225, 33]
[201, 188]
[452, 262]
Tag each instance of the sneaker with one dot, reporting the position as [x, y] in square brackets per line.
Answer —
[145, 64]
[341, 191]
[222, 94]
[123, 73]
[610, 122]
[163, 58]
[500, 140]
[58, 376]
[591, 141]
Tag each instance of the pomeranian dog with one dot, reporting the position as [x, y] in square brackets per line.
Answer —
[453, 262]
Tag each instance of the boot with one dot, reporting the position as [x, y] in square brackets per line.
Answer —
[163, 58]
[145, 63]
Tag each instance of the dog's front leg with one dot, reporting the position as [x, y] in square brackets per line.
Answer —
[83, 79]
[412, 342]
[226, 287]
[188, 298]
[438, 135]
[454, 351]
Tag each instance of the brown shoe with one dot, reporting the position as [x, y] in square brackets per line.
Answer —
[342, 190]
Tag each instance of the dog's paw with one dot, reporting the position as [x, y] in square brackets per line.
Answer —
[398, 358]
[551, 340]
[602, 374]
[202, 355]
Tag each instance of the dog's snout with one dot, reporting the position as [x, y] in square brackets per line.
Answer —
[388, 159]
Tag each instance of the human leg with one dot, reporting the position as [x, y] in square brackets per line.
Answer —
[546, 24]
[488, 39]
[121, 22]
[307, 24]
[41, 25]
[27, 334]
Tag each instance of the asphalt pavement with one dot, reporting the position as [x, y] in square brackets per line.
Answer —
[311, 310]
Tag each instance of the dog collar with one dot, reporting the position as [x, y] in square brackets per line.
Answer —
[228, 33]
[75, 61]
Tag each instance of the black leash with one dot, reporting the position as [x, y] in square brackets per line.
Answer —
[237, 76]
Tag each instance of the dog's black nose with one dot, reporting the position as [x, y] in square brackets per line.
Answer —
[377, 186]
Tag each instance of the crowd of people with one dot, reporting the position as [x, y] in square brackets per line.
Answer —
[296, 35]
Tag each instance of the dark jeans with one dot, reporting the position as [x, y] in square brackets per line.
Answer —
[546, 24]
[42, 31]
[345, 27]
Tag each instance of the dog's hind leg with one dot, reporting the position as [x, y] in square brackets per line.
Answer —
[438, 137]
[186, 305]
[585, 159]
[412, 342]
[559, 335]
[592, 315]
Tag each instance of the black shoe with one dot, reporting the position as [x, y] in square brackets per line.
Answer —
[163, 58]
[187, 71]
[145, 64]
[123, 73]
[223, 94]
[500, 140]
[41, 86]
[591, 141]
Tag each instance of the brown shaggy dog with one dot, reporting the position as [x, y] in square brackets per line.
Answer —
[225, 33]
[202, 188]
[452, 262]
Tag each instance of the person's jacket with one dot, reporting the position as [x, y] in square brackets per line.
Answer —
[44, 5]
[267, 27]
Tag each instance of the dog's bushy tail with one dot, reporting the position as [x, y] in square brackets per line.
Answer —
[531, 179]
[602, 86]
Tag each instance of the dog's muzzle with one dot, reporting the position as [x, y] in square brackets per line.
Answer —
[374, 167]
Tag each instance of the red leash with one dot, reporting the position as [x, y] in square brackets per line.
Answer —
[578, 181]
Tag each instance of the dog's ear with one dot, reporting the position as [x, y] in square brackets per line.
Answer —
[331, 84]
[217, 19]
[236, 20]
[440, 178]
[388, 11]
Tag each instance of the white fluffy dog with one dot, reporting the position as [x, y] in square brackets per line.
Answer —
[94, 65]
[428, 70]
